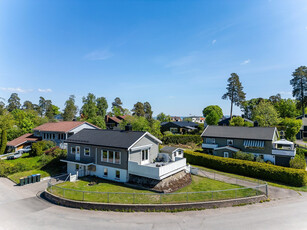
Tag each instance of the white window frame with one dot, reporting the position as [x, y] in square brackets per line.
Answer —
[173, 130]
[230, 140]
[120, 157]
[226, 154]
[103, 150]
[114, 154]
[146, 156]
[77, 149]
[89, 151]
[73, 152]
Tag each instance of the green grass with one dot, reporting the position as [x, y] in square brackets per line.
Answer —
[140, 196]
[16, 176]
[28, 165]
[301, 189]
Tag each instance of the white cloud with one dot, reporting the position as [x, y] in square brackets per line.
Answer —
[18, 90]
[245, 62]
[99, 55]
[45, 90]
[213, 42]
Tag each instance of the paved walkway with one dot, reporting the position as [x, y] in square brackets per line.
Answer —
[274, 192]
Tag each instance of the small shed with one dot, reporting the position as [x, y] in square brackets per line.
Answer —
[173, 152]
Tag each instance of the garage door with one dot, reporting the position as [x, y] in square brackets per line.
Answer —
[282, 161]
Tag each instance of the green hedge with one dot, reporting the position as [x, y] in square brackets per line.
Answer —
[181, 139]
[289, 176]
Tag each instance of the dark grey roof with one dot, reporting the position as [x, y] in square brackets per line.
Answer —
[182, 123]
[107, 138]
[252, 133]
[168, 149]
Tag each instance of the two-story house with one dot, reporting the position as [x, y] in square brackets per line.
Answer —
[119, 155]
[224, 141]
[57, 132]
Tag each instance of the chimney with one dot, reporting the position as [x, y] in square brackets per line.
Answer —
[128, 127]
[256, 124]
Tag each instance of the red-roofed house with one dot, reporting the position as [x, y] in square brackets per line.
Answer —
[113, 122]
[54, 131]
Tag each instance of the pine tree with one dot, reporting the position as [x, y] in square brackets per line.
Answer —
[234, 92]
[299, 84]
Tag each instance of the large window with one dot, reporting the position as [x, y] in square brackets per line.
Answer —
[104, 155]
[86, 151]
[78, 149]
[117, 157]
[145, 155]
[111, 156]
[210, 140]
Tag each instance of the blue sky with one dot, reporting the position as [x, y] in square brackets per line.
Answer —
[177, 55]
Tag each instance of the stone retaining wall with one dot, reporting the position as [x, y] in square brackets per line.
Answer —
[150, 207]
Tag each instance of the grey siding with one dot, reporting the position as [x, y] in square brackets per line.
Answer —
[96, 159]
[154, 149]
[238, 143]
[220, 153]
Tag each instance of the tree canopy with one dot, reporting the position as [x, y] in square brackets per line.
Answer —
[299, 85]
[211, 108]
[265, 114]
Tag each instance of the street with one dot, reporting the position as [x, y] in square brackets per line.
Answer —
[20, 208]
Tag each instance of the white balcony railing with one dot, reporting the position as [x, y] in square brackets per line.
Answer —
[158, 173]
[284, 152]
[209, 146]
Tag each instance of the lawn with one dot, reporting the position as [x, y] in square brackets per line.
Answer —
[27, 165]
[112, 192]
[301, 189]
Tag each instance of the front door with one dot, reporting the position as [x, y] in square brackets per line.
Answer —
[226, 154]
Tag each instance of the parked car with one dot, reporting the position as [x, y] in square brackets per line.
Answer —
[15, 156]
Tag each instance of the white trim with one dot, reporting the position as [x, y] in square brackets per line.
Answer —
[204, 131]
[228, 147]
[89, 152]
[141, 147]
[226, 154]
[150, 135]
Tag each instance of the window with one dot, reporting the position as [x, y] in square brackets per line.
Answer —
[73, 150]
[229, 142]
[86, 151]
[105, 172]
[77, 149]
[210, 140]
[117, 157]
[145, 155]
[117, 174]
[173, 130]
[226, 154]
[104, 156]
[111, 156]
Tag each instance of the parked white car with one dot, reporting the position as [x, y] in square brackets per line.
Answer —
[15, 156]
[25, 150]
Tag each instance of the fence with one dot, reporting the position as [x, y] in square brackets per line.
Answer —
[156, 198]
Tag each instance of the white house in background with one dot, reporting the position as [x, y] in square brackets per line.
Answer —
[120, 155]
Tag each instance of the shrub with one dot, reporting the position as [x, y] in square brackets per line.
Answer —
[181, 139]
[166, 133]
[244, 156]
[298, 162]
[289, 176]
[259, 159]
[301, 151]
[39, 147]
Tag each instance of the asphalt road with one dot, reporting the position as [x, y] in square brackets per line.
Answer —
[20, 208]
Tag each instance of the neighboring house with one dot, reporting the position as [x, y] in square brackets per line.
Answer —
[53, 131]
[179, 127]
[224, 141]
[58, 132]
[302, 134]
[225, 121]
[197, 119]
[21, 142]
[113, 122]
[176, 118]
[119, 155]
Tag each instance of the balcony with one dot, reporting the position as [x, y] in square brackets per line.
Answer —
[284, 152]
[158, 170]
[209, 146]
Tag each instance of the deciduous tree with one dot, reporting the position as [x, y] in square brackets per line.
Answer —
[214, 108]
[265, 114]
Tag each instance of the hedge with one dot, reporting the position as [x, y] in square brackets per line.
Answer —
[181, 139]
[288, 176]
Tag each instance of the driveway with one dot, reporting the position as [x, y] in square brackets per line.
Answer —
[20, 208]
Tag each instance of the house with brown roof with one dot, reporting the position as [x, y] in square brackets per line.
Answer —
[57, 132]
[113, 122]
